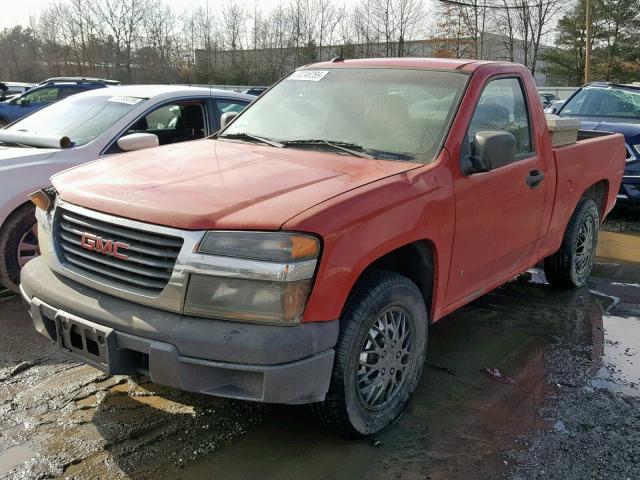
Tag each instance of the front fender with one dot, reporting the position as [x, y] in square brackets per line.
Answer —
[361, 226]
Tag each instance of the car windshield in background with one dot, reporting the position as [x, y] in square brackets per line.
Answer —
[81, 118]
[375, 112]
[607, 102]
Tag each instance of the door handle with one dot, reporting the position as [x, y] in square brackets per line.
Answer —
[534, 178]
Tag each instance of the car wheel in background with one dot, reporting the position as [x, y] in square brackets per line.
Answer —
[571, 265]
[379, 356]
[18, 245]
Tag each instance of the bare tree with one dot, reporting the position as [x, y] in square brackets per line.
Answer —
[524, 24]
[408, 17]
[122, 19]
[451, 37]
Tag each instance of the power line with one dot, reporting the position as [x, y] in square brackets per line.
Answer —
[497, 7]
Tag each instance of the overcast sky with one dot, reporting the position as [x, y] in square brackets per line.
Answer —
[13, 12]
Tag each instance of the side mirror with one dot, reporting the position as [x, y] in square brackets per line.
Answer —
[226, 118]
[490, 149]
[138, 141]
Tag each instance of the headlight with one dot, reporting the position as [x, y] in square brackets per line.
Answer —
[271, 246]
[248, 300]
[254, 276]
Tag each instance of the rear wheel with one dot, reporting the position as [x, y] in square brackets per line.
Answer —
[571, 265]
[379, 356]
[18, 245]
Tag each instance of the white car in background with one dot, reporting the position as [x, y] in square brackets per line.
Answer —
[11, 89]
[89, 126]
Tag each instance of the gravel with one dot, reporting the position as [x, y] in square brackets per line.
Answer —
[622, 220]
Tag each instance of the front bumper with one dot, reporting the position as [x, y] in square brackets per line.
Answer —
[265, 363]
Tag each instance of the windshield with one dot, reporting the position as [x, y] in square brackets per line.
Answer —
[81, 118]
[604, 102]
[385, 113]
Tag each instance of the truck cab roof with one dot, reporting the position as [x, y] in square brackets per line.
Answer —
[404, 62]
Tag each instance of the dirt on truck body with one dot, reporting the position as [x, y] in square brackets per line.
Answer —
[302, 255]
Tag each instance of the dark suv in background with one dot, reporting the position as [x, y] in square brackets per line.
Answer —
[45, 93]
[611, 107]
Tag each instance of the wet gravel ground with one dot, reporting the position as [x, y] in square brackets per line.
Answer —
[594, 409]
[623, 220]
[59, 418]
[566, 406]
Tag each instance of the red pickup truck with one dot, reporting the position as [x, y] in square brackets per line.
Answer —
[301, 254]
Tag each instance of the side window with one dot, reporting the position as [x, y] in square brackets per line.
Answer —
[582, 98]
[43, 95]
[231, 105]
[502, 106]
[164, 118]
[67, 91]
[172, 123]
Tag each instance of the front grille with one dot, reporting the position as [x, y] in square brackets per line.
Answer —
[150, 256]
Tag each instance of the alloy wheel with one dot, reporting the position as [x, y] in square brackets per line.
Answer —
[385, 358]
[584, 247]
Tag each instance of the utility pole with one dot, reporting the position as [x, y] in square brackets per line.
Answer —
[587, 50]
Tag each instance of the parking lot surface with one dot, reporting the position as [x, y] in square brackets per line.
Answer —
[526, 382]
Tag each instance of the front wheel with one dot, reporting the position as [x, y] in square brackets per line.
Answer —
[18, 245]
[571, 265]
[379, 356]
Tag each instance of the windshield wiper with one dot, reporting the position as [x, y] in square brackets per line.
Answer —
[248, 136]
[351, 148]
[383, 155]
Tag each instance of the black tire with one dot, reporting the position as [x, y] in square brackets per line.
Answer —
[19, 223]
[568, 268]
[345, 410]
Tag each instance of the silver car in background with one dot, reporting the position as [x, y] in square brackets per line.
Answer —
[90, 126]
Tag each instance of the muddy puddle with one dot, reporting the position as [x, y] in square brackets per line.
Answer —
[13, 457]
[62, 419]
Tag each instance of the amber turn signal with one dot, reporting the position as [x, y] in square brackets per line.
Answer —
[43, 199]
[304, 247]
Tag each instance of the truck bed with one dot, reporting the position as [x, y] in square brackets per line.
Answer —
[595, 157]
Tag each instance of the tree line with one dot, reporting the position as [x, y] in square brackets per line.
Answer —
[147, 41]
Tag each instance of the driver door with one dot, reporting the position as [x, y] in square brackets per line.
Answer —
[498, 214]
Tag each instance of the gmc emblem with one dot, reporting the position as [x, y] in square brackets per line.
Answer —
[105, 247]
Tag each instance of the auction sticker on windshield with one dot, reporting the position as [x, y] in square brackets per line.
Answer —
[309, 75]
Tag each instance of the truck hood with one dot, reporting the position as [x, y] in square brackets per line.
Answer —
[14, 156]
[210, 184]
